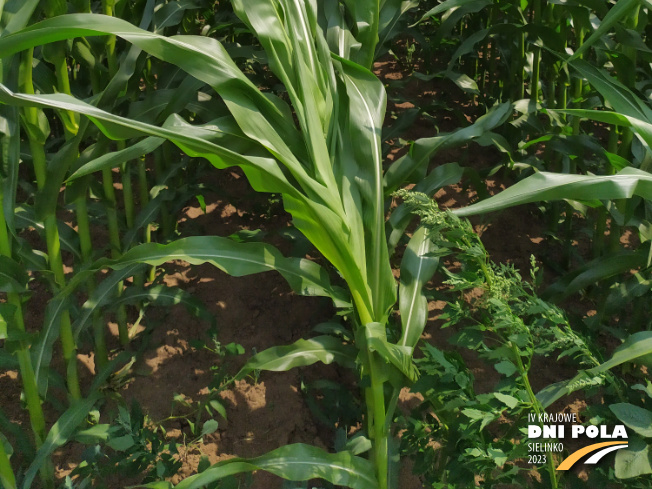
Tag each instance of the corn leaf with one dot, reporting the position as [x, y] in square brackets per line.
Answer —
[553, 186]
[412, 167]
[297, 462]
[633, 461]
[417, 268]
[237, 259]
[117, 158]
[642, 127]
[60, 433]
[13, 278]
[399, 356]
[25, 217]
[164, 296]
[7, 477]
[367, 106]
[443, 7]
[620, 10]
[325, 349]
[598, 269]
[103, 294]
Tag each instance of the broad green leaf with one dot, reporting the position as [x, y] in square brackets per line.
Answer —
[616, 13]
[445, 6]
[212, 64]
[617, 95]
[263, 173]
[10, 147]
[7, 318]
[297, 462]
[237, 259]
[117, 158]
[145, 216]
[26, 217]
[358, 444]
[510, 401]
[466, 83]
[453, 18]
[643, 128]
[60, 433]
[596, 270]
[94, 434]
[7, 477]
[367, 101]
[121, 443]
[506, 368]
[391, 19]
[634, 417]
[209, 427]
[634, 460]
[397, 355]
[325, 349]
[172, 13]
[412, 166]
[164, 296]
[20, 13]
[13, 278]
[467, 46]
[553, 186]
[365, 15]
[634, 347]
[104, 294]
[339, 37]
[41, 351]
[299, 57]
[417, 268]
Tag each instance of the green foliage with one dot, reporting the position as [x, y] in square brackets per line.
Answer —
[284, 91]
[457, 434]
[130, 447]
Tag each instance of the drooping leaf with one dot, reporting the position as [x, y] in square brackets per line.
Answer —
[60, 433]
[617, 12]
[596, 270]
[325, 349]
[105, 293]
[412, 166]
[297, 462]
[117, 158]
[443, 7]
[545, 186]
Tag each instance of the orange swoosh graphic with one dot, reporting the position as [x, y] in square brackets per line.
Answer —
[575, 456]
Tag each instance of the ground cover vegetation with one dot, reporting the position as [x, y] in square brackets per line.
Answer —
[114, 115]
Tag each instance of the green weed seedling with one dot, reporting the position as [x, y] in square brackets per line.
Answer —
[131, 446]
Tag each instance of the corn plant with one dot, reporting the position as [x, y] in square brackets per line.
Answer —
[318, 144]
